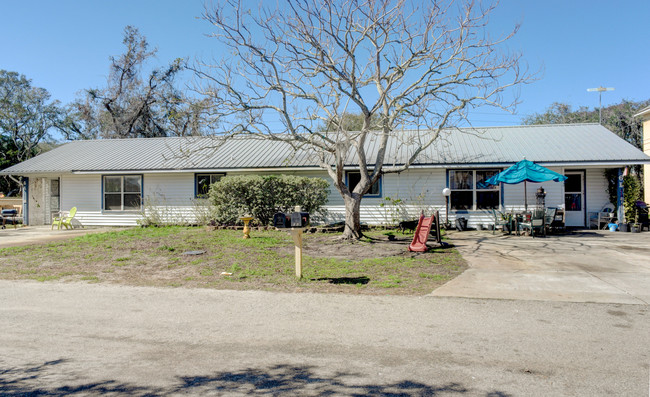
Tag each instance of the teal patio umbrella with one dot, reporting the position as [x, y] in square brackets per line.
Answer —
[525, 171]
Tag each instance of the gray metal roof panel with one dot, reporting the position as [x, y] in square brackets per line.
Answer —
[569, 143]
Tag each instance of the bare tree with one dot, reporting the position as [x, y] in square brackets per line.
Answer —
[308, 63]
[134, 104]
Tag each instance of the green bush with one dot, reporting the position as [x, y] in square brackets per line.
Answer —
[631, 193]
[263, 196]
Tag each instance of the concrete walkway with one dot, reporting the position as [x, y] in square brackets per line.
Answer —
[587, 266]
[27, 235]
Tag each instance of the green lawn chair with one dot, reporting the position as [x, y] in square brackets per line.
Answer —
[65, 221]
[536, 225]
[502, 219]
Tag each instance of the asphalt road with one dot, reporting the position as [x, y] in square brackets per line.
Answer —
[85, 339]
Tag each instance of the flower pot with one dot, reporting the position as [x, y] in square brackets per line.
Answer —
[623, 227]
[635, 229]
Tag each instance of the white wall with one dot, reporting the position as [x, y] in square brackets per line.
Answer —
[417, 189]
[171, 195]
[597, 196]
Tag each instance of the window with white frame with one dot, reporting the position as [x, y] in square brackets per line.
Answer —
[122, 192]
[354, 177]
[469, 191]
[203, 183]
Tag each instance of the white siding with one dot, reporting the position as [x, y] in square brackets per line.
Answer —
[171, 196]
[81, 191]
[418, 190]
[597, 196]
[85, 193]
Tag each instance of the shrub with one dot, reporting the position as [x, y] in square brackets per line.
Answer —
[263, 196]
[631, 193]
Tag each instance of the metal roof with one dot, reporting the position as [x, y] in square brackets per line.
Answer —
[546, 144]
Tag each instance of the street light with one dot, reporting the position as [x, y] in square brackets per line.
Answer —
[600, 100]
[446, 192]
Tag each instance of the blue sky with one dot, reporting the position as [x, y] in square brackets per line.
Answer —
[64, 46]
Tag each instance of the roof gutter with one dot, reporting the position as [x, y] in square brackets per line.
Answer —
[195, 170]
[615, 163]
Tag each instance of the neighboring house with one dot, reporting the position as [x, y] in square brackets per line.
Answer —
[644, 115]
[111, 182]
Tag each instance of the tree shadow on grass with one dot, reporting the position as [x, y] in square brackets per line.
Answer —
[344, 280]
[275, 380]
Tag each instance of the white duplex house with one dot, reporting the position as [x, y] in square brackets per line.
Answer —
[114, 181]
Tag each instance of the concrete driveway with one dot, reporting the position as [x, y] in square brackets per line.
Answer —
[11, 237]
[583, 266]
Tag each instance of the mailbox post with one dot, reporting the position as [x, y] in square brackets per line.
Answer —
[297, 222]
[297, 243]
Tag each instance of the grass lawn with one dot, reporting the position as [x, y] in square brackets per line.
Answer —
[155, 257]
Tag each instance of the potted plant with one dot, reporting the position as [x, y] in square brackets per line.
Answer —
[636, 226]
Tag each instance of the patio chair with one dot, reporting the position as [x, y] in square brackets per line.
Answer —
[558, 224]
[65, 221]
[501, 219]
[601, 217]
[536, 224]
[549, 217]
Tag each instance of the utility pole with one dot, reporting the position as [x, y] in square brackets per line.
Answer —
[600, 100]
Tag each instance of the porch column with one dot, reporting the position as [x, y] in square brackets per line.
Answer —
[619, 197]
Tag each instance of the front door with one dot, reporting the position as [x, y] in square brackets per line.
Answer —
[574, 199]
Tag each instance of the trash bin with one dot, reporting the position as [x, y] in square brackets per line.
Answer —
[461, 224]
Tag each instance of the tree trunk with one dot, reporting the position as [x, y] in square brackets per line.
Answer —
[352, 229]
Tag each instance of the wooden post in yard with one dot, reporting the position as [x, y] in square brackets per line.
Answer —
[296, 233]
[297, 242]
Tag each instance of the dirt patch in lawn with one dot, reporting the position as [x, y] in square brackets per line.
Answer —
[164, 257]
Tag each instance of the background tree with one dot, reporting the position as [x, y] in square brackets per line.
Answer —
[618, 118]
[351, 122]
[302, 64]
[133, 104]
[27, 117]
